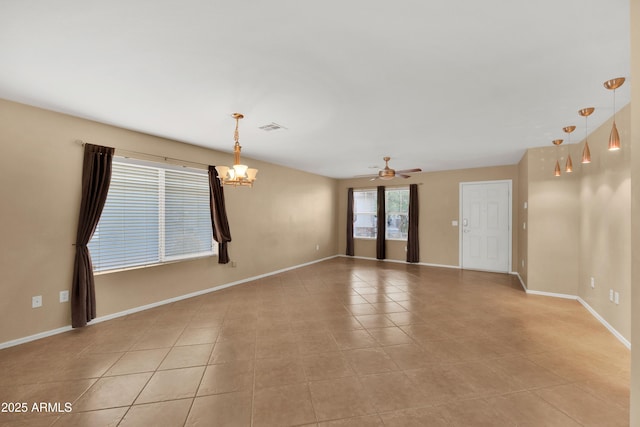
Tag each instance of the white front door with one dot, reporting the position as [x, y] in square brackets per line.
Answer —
[486, 225]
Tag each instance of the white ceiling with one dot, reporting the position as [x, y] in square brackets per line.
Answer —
[438, 85]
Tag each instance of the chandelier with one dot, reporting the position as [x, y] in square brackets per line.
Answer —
[238, 174]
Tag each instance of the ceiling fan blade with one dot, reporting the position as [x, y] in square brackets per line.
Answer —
[373, 179]
[409, 170]
[403, 175]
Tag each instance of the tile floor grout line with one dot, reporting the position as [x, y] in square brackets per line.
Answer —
[319, 296]
[559, 409]
[195, 394]
[253, 389]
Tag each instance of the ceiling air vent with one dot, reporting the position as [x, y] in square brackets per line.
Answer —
[272, 126]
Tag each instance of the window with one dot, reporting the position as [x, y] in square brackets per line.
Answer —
[397, 213]
[154, 213]
[364, 214]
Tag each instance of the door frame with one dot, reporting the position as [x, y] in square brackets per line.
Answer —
[510, 203]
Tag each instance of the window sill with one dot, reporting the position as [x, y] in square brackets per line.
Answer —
[373, 238]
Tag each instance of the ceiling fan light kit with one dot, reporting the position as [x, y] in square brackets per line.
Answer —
[242, 175]
[387, 173]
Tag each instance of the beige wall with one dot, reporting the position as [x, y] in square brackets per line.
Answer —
[276, 224]
[522, 263]
[553, 226]
[438, 193]
[605, 225]
[635, 212]
[579, 224]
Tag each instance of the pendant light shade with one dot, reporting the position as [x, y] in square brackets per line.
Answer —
[237, 174]
[569, 165]
[586, 153]
[557, 171]
[614, 137]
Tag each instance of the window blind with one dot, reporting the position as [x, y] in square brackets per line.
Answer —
[187, 215]
[153, 214]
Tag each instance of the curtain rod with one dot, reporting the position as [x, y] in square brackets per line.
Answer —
[124, 153]
[386, 186]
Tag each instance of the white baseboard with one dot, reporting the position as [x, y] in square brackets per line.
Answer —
[606, 324]
[552, 294]
[67, 328]
[34, 337]
[594, 313]
[590, 309]
[426, 264]
[524, 286]
[202, 292]
[397, 261]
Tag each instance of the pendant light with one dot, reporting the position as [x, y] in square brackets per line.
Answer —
[557, 171]
[569, 166]
[586, 153]
[238, 174]
[614, 137]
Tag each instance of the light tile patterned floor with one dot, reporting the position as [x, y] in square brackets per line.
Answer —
[342, 342]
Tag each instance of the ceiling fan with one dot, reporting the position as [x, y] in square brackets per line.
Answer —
[388, 173]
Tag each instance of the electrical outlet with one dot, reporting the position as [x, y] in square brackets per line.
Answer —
[234, 264]
[36, 301]
[611, 295]
[64, 296]
[524, 225]
[593, 283]
[317, 247]
[616, 297]
[523, 263]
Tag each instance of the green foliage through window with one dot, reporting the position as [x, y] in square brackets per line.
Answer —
[365, 213]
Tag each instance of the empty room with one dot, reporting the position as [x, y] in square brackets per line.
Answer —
[319, 213]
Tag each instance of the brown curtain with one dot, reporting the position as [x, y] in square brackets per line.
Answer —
[381, 229]
[350, 250]
[219, 222]
[96, 176]
[413, 246]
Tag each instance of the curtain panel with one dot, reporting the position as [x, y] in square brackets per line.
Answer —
[96, 176]
[219, 222]
[413, 246]
[350, 250]
[381, 225]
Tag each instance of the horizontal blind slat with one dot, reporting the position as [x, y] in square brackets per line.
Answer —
[129, 234]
